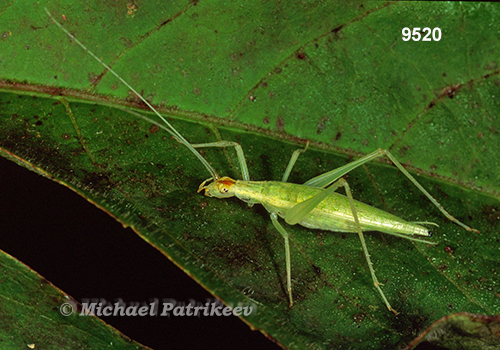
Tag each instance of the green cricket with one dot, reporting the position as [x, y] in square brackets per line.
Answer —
[314, 204]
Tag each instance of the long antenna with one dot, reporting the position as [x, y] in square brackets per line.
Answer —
[169, 128]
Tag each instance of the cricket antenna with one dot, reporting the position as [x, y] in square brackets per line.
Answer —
[167, 127]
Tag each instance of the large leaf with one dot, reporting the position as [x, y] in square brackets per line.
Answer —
[282, 72]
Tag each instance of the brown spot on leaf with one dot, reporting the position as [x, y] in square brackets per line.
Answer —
[491, 66]
[154, 128]
[492, 214]
[358, 318]
[322, 125]
[402, 151]
[125, 41]
[93, 78]
[280, 123]
[450, 91]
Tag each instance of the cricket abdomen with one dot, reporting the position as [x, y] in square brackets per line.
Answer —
[334, 213]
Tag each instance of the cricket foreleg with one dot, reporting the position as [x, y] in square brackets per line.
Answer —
[282, 231]
[292, 161]
[344, 183]
[239, 152]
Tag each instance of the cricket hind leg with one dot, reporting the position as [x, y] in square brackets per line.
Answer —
[282, 231]
[343, 183]
[293, 218]
[424, 191]
[327, 178]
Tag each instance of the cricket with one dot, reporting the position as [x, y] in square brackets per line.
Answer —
[314, 204]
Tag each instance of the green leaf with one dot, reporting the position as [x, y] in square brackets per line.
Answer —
[462, 331]
[35, 315]
[338, 74]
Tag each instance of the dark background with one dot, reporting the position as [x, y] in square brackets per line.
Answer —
[87, 254]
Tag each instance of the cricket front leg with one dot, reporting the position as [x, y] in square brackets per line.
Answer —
[239, 153]
[292, 161]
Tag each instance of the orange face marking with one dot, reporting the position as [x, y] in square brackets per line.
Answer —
[226, 181]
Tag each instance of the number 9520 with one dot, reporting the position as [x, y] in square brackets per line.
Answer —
[425, 34]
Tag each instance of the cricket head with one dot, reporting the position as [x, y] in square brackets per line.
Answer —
[220, 188]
